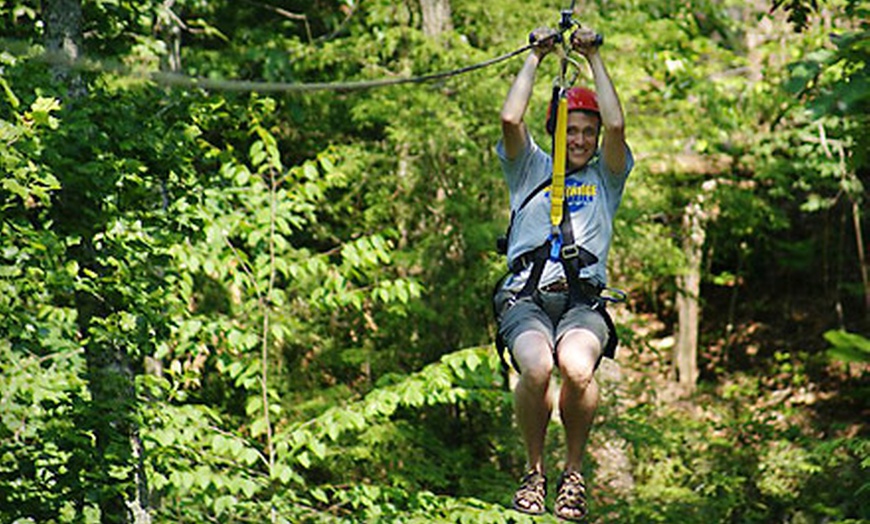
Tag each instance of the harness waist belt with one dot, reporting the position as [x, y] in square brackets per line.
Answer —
[568, 252]
[587, 287]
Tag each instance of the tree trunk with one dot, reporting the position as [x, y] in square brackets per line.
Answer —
[117, 445]
[688, 296]
[862, 256]
[117, 448]
[436, 17]
[169, 27]
[63, 41]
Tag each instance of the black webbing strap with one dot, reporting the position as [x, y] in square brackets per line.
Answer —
[578, 291]
[500, 344]
[538, 259]
[573, 258]
[502, 241]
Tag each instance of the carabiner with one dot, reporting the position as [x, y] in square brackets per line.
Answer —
[614, 296]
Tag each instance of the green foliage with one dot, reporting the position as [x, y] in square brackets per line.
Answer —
[44, 457]
[732, 464]
[848, 347]
[320, 467]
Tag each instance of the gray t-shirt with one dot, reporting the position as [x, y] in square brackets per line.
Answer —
[593, 195]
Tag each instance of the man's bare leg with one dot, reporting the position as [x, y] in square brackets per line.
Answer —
[532, 393]
[534, 357]
[578, 351]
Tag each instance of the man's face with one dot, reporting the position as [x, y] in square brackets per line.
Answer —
[582, 138]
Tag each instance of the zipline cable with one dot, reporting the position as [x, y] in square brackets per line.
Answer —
[175, 79]
[182, 80]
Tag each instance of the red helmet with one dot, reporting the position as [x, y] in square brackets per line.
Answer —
[579, 99]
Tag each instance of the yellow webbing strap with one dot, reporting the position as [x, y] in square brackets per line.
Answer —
[557, 189]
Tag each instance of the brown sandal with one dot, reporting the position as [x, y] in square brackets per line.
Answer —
[571, 500]
[532, 493]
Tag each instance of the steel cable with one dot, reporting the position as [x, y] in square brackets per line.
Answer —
[242, 85]
[182, 80]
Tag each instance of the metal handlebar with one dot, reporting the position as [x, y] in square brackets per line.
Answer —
[566, 23]
[557, 37]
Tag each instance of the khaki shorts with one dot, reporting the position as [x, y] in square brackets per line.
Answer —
[547, 314]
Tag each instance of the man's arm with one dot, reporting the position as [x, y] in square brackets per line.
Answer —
[612, 119]
[512, 126]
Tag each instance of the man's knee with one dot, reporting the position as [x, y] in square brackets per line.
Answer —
[534, 357]
[578, 353]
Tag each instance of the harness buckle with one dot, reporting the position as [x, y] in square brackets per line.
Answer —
[570, 252]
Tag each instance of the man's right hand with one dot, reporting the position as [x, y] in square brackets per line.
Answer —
[543, 40]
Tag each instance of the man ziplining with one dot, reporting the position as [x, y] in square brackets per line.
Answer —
[549, 308]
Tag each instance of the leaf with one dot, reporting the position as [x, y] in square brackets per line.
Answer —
[284, 473]
[310, 171]
[40, 111]
[224, 503]
[250, 456]
[304, 460]
[258, 154]
[319, 495]
[248, 487]
[259, 427]
[848, 347]
[219, 444]
[318, 448]
[202, 476]
[473, 361]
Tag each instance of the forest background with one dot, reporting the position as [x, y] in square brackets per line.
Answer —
[234, 302]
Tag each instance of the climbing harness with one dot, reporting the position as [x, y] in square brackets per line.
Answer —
[560, 245]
